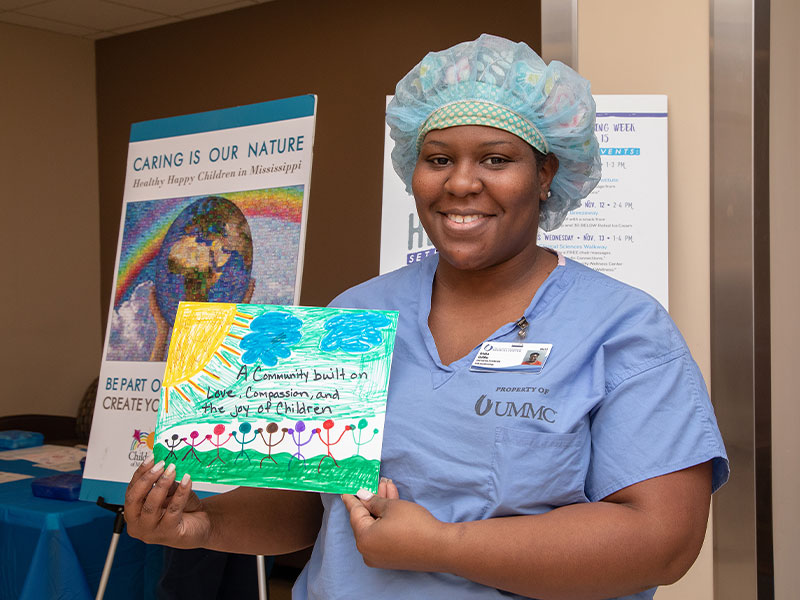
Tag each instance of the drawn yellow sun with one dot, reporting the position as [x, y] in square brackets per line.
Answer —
[200, 328]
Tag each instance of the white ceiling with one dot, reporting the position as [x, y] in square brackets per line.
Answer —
[95, 19]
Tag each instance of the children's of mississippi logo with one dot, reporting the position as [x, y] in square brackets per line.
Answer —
[141, 446]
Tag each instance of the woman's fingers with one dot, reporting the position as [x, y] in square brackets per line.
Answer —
[172, 489]
[141, 483]
[172, 519]
[387, 489]
[151, 511]
[391, 490]
[156, 508]
[360, 519]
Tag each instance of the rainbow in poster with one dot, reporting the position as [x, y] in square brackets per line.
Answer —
[229, 247]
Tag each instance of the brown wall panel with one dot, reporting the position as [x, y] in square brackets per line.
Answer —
[350, 53]
[49, 300]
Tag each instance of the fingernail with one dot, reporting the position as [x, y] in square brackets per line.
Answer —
[170, 470]
[148, 461]
[386, 480]
[185, 480]
[363, 494]
[159, 465]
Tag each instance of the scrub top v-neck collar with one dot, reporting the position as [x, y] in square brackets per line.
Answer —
[550, 288]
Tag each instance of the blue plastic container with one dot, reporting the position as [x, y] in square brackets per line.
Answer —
[15, 438]
[64, 486]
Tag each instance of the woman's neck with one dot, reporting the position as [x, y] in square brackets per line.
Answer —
[522, 274]
[468, 306]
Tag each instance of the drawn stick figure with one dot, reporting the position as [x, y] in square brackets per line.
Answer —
[244, 429]
[299, 427]
[175, 443]
[218, 431]
[271, 428]
[194, 435]
[362, 425]
[328, 425]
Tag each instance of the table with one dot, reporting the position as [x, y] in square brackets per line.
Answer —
[55, 550]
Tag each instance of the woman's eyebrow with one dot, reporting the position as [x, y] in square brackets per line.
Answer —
[495, 143]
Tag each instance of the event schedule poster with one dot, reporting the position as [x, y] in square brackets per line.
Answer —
[214, 210]
[621, 227]
[276, 396]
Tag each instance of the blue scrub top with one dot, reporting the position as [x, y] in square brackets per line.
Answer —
[619, 400]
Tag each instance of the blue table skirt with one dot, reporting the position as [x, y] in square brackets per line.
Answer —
[56, 550]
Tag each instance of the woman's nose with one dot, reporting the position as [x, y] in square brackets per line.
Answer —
[464, 180]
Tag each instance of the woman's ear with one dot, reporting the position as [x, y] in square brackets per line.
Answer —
[547, 171]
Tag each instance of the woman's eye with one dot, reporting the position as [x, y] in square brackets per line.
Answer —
[496, 160]
[439, 160]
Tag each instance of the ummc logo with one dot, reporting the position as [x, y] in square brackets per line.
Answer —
[526, 410]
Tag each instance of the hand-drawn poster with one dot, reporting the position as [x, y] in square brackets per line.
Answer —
[214, 210]
[620, 229]
[276, 396]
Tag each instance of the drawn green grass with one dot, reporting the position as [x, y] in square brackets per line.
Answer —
[316, 473]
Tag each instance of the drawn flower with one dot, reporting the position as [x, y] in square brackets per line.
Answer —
[354, 332]
[271, 337]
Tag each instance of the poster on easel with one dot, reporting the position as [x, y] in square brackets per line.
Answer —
[214, 210]
[276, 396]
[620, 229]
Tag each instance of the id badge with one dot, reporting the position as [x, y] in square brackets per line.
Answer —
[527, 357]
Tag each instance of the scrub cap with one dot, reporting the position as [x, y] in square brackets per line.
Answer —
[495, 82]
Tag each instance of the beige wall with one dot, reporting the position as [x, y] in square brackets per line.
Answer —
[49, 297]
[656, 47]
[785, 291]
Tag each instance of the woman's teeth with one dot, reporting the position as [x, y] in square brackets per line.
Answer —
[463, 218]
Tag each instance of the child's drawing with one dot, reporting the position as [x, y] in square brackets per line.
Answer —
[265, 395]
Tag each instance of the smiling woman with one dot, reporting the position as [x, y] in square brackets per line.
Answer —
[550, 474]
[477, 191]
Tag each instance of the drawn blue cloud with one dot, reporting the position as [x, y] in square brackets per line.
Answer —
[354, 332]
[271, 336]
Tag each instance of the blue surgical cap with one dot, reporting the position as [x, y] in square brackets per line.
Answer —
[493, 81]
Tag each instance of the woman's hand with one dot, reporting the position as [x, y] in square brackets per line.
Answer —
[160, 511]
[392, 533]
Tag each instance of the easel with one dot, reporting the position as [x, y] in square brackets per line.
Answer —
[119, 526]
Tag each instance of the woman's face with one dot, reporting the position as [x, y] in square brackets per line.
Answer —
[477, 191]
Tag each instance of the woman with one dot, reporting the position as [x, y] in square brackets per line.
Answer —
[587, 478]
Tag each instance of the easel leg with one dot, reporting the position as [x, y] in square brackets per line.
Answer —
[263, 591]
